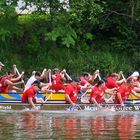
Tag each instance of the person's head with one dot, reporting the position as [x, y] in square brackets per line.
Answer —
[76, 80]
[38, 75]
[86, 75]
[9, 74]
[37, 85]
[33, 72]
[1, 65]
[130, 81]
[101, 83]
[56, 71]
[115, 76]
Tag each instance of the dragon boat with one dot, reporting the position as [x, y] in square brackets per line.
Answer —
[56, 101]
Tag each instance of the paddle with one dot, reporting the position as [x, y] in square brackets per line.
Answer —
[123, 78]
[68, 77]
[135, 102]
[74, 108]
[46, 99]
[20, 76]
[50, 82]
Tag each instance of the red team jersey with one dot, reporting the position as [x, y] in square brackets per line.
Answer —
[57, 84]
[125, 91]
[72, 92]
[29, 93]
[111, 83]
[98, 94]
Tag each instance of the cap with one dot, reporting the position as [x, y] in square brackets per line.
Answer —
[1, 64]
[76, 79]
[135, 73]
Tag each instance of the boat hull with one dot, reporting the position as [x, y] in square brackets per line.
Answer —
[56, 101]
[53, 105]
[59, 96]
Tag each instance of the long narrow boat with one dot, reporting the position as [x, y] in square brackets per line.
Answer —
[56, 101]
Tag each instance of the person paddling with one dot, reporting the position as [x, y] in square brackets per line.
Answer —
[71, 91]
[7, 81]
[125, 90]
[58, 80]
[29, 95]
[97, 93]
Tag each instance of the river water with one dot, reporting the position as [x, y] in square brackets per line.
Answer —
[61, 125]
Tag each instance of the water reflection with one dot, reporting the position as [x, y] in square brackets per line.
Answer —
[34, 125]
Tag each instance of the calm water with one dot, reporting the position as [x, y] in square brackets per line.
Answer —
[61, 125]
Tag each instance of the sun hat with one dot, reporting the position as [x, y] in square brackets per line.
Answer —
[135, 73]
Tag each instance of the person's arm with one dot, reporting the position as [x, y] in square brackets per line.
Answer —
[119, 75]
[69, 100]
[119, 82]
[30, 100]
[93, 100]
[135, 93]
[17, 88]
[43, 73]
[111, 91]
[17, 78]
[8, 82]
[62, 73]
[94, 76]
[46, 73]
[14, 69]
[136, 89]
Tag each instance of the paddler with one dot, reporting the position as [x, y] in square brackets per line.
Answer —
[97, 93]
[29, 95]
[71, 91]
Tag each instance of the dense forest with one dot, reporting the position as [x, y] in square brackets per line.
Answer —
[78, 35]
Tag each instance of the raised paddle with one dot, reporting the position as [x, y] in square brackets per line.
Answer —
[68, 77]
[123, 78]
[21, 76]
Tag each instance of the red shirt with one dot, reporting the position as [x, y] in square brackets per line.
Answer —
[29, 93]
[57, 84]
[3, 88]
[111, 83]
[72, 92]
[98, 94]
[125, 91]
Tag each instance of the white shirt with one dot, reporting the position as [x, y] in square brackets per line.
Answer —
[29, 82]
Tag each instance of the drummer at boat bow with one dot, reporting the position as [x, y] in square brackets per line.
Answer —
[29, 95]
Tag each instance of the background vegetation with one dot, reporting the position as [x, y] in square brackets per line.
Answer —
[82, 35]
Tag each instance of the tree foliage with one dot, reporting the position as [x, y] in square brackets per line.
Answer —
[77, 35]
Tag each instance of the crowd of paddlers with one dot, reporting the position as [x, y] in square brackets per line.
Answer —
[116, 85]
